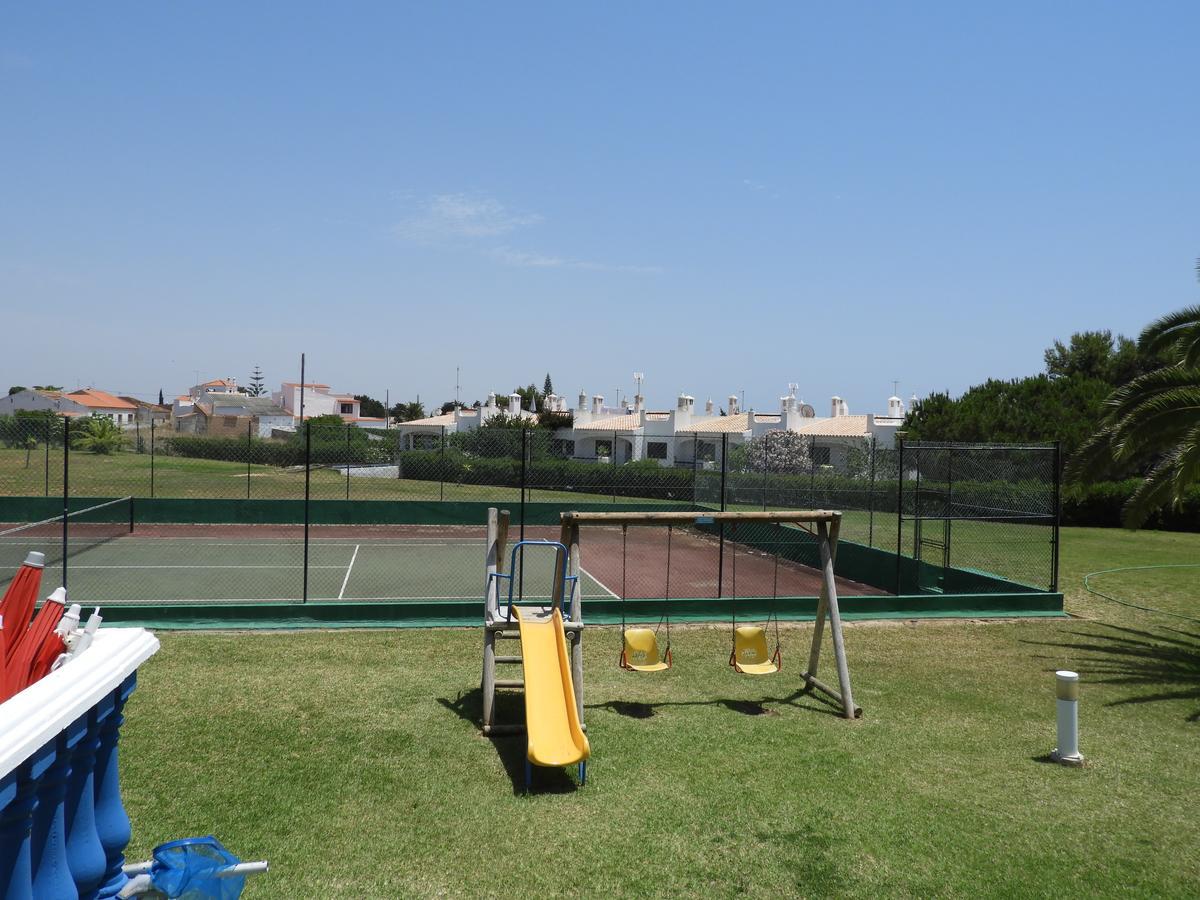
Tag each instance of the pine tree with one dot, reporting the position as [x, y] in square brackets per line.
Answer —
[256, 388]
[548, 387]
[160, 397]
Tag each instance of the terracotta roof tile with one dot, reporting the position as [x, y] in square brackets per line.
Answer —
[838, 426]
[94, 399]
[447, 419]
[613, 423]
[719, 425]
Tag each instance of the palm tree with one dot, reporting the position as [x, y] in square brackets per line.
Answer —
[406, 412]
[1153, 419]
[99, 434]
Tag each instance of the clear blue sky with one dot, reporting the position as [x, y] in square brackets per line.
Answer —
[725, 197]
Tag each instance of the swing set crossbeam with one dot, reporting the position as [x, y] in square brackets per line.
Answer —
[699, 518]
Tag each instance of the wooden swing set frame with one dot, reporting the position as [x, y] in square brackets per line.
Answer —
[827, 524]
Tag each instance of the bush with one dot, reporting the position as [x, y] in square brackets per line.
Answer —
[1099, 504]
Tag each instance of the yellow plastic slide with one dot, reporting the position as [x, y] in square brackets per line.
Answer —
[551, 719]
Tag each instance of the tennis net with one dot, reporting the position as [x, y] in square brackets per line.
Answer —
[62, 537]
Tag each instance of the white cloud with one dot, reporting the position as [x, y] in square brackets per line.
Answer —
[526, 260]
[459, 216]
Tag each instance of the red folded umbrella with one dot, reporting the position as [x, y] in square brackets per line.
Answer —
[5, 691]
[51, 649]
[29, 644]
[16, 607]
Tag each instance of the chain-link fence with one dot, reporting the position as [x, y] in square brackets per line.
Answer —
[330, 511]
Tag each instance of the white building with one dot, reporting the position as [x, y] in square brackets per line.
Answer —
[320, 400]
[681, 436]
[83, 402]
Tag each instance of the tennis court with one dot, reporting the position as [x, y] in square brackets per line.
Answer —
[187, 563]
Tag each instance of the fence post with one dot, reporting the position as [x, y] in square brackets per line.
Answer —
[613, 449]
[307, 473]
[66, 492]
[766, 467]
[442, 469]
[249, 452]
[695, 470]
[49, 434]
[871, 500]
[348, 427]
[812, 471]
[1057, 517]
[152, 429]
[946, 532]
[899, 507]
[721, 540]
[524, 475]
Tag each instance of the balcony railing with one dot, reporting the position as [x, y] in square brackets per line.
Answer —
[63, 829]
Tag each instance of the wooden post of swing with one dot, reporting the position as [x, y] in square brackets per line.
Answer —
[497, 537]
[571, 607]
[827, 605]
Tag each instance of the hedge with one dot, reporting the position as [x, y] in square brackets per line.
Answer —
[1100, 504]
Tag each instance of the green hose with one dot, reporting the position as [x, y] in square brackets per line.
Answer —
[1148, 609]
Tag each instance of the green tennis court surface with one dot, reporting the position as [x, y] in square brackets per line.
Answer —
[134, 569]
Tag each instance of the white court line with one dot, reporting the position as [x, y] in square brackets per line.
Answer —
[296, 566]
[603, 586]
[348, 568]
[282, 542]
[293, 600]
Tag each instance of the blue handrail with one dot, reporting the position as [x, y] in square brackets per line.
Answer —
[561, 554]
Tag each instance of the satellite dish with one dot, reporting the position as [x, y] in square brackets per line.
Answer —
[807, 411]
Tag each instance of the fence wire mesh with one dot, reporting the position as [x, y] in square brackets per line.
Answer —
[312, 513]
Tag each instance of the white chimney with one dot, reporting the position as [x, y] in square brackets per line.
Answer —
[895, 407]
[835, 407]
[708, 407]
[514, 404]
[582, 401]
[491, 400]
[733, 405]
[597, 404]
[683, 412]
[639, 403]
[843, 408]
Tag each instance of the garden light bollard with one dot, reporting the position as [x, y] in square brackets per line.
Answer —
[1067, 691]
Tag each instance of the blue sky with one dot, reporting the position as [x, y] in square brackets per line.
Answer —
[725, 197]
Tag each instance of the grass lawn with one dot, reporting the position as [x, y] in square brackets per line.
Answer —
[353, 762]
[128, 474]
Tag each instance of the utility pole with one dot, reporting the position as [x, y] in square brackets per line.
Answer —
[456, 386]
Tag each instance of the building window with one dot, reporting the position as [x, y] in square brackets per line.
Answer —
[820, 456]
[562, 448]
[656, 450]
[706, 451]
[347, 409]
[604, 448]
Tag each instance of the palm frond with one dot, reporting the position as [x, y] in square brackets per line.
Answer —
[1176, 331]
[1169, 378]
[1157, 490]
[1094, 459]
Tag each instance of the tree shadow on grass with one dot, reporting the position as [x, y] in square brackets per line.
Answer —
[1165, 660]
[510, 748]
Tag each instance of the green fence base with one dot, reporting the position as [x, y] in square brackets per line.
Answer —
[447, 613]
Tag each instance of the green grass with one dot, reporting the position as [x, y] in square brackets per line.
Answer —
[353, 762]
[129, 474]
